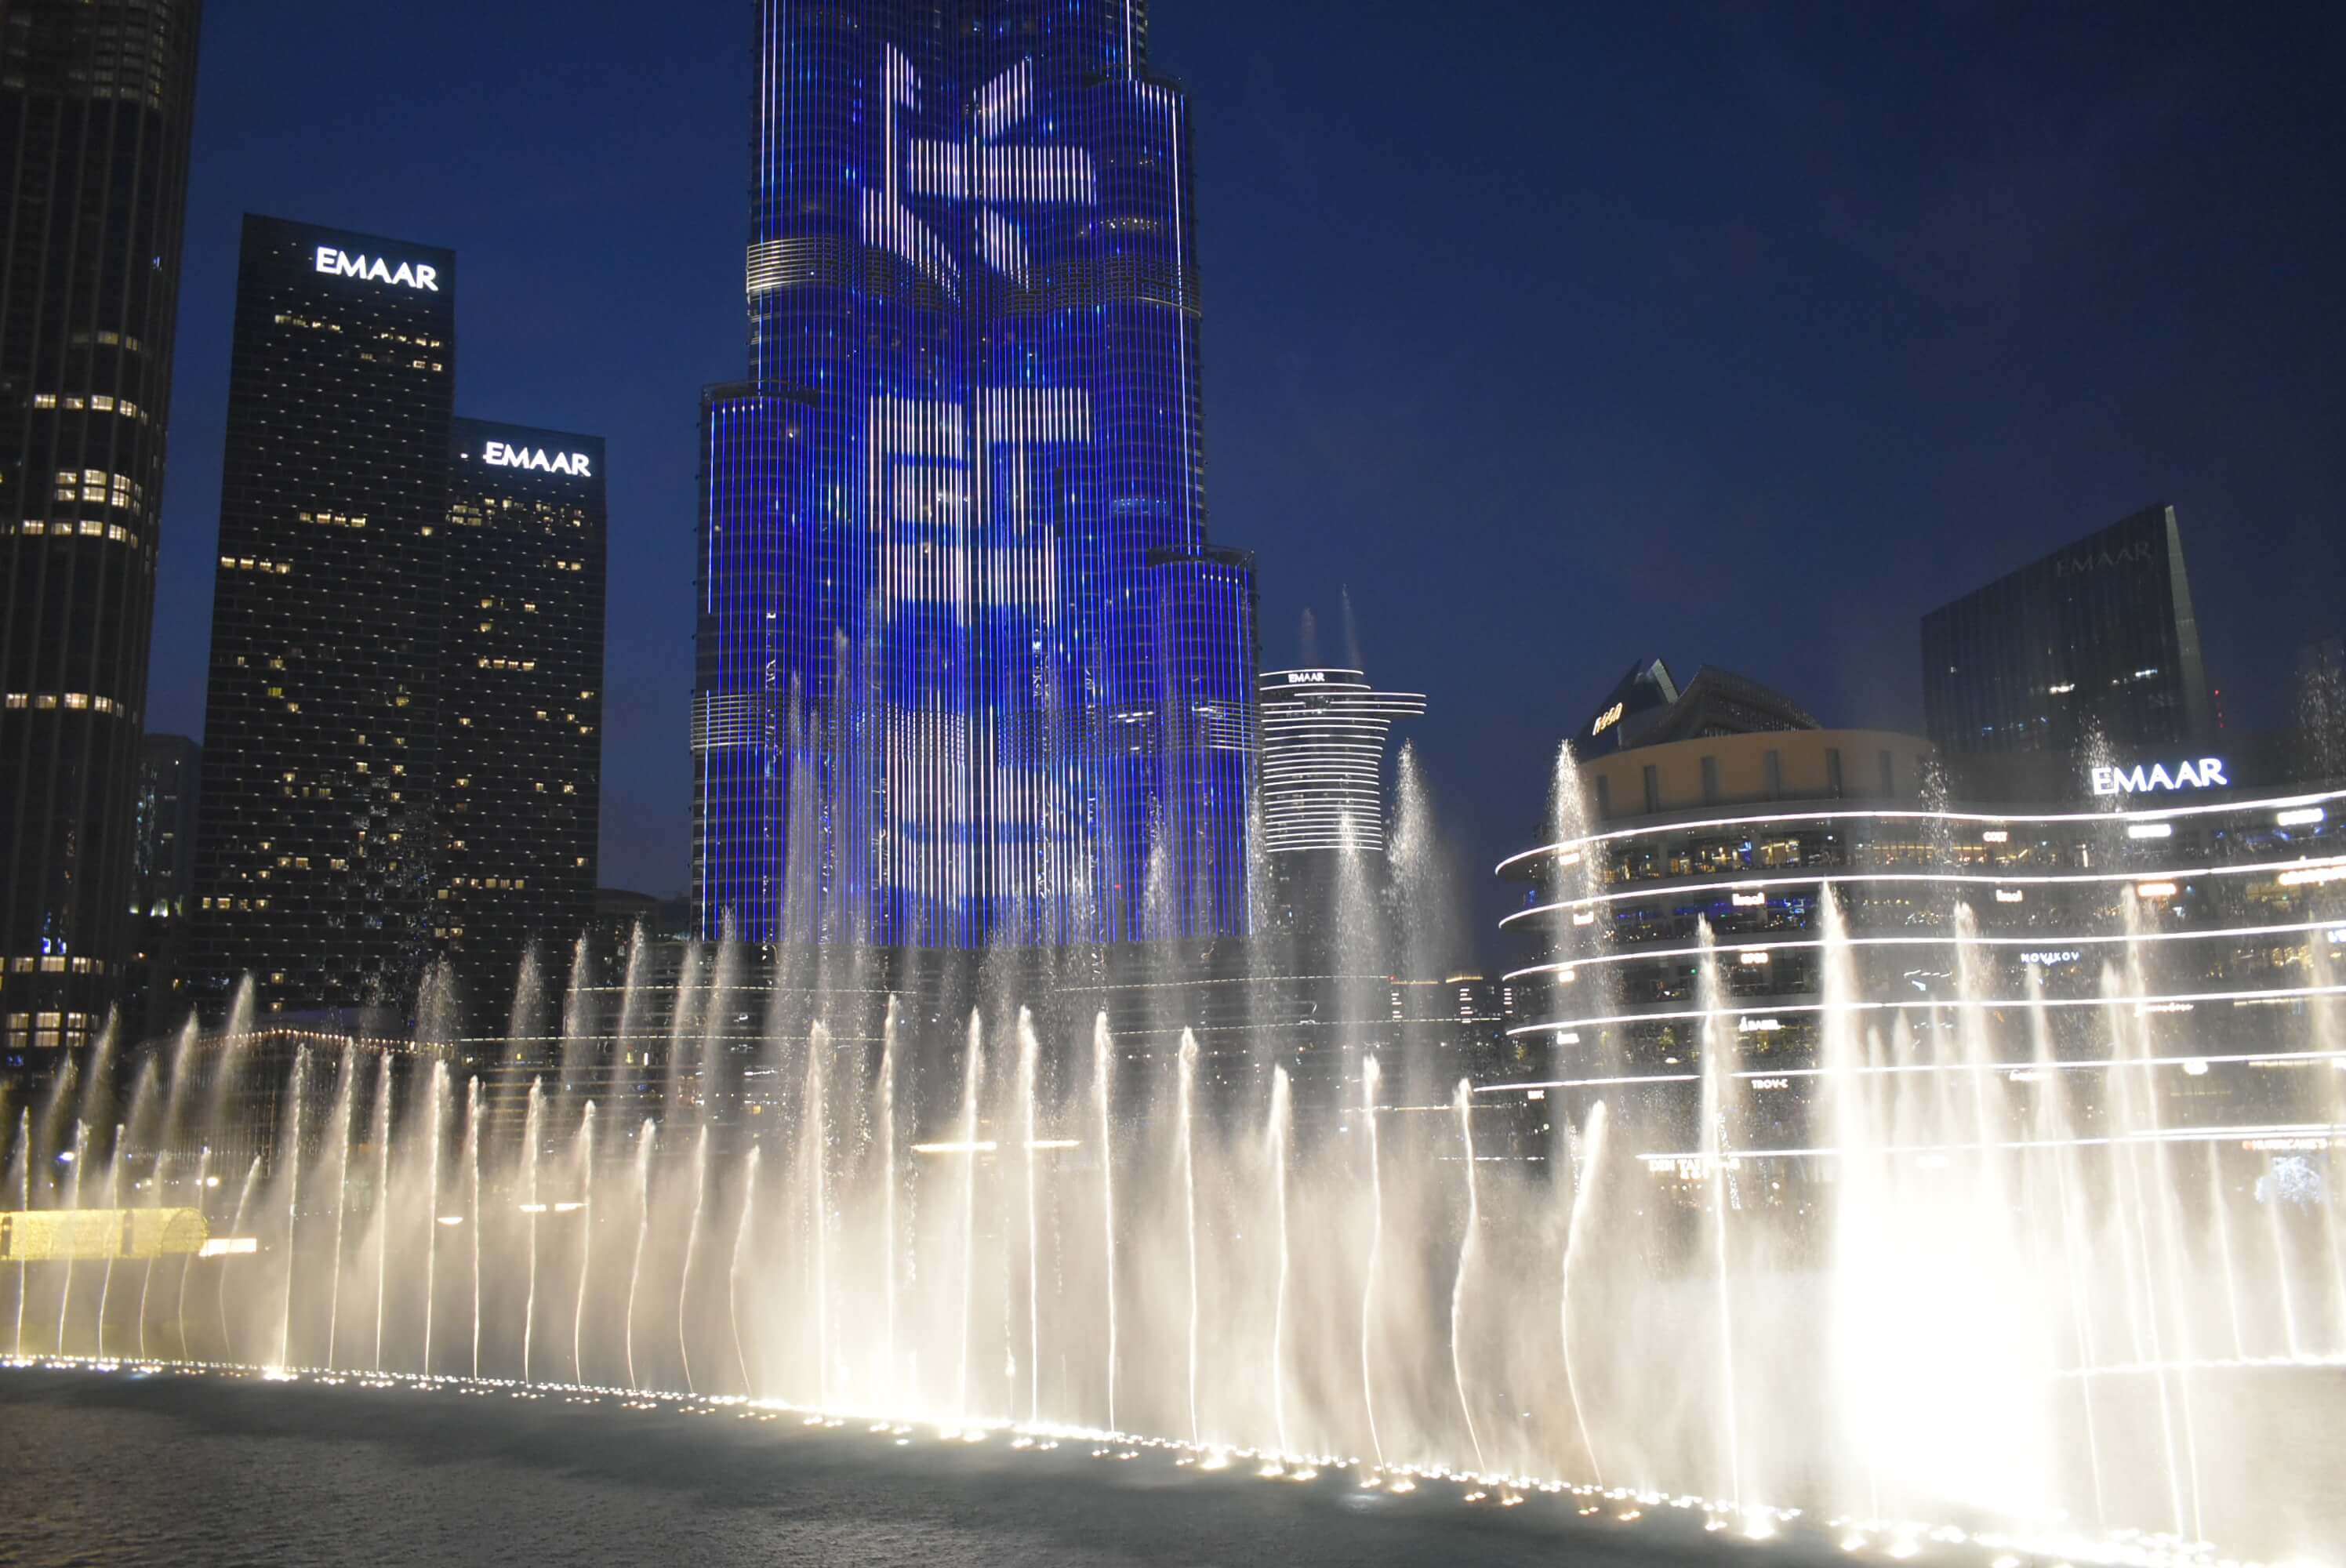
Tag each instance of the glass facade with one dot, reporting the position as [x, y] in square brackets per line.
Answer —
[2096, 640]
[969, 670]
[96, 106]
[520, 704]
[312, 865]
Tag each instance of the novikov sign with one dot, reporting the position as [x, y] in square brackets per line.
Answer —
[2205, 773]
[498, 455]
[375, 269]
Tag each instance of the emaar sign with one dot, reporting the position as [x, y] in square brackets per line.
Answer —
[2205, 773]
[375, 269]
[498, 455]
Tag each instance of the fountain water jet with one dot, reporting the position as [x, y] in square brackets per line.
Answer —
[1462, 1103]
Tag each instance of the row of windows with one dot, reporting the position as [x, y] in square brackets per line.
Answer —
[100, 402]
[68, 528]
[93, 702]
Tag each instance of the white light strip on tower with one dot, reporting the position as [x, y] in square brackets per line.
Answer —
[2276, 803]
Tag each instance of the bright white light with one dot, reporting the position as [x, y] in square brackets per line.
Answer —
[2195, 1068]
[2301, 817]
[2151, 831]
[1760, 1025]
[228, 1246]
[1750, 900]
[1995, 836]
[2156, 889]
[1754, 958]
[451, 1219]
[2010, 895]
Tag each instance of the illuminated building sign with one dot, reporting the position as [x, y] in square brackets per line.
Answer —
[2052, 956]
[2134, 553]
[2206, 773]
[1307, 678]
[341, 264]
[1606, 721]
[498, 455]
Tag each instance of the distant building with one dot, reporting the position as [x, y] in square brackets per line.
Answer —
[169, 787]
[1648, 708]
[95, 107]
[970, 671]
[403, 722]
[313, 863]
[1324, 782]
[2095, 645]
[520, 704]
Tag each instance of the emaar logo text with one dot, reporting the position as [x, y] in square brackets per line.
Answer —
[498, 455]
[2206, 773]
[375, 269]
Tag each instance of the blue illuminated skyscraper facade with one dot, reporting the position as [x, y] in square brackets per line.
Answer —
[968, 669]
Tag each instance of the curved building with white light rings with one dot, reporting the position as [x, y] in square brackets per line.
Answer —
[1323, 755]
[2209, 921]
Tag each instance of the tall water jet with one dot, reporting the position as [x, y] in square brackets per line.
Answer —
[1461, 1102]
[1576, 1245]
[1369, 1077]
[292, 1153]
[973, 1079]
[890, 1250]
[473, 1203]
[432, 1227]
[382, 1090]
[1187, 1132]
[1281, 1131]
[1719, 1064]
[733, 1269]
[815, 1144]
[532, 1207]
[113, 1200]
[187, 1267]
[347, 1103]
[79, 1149]
[24, 1156]
[220, 1294]
[585, 1241]
[643, 1228]
[147, 1275]
[692, 1250]
[1029, 1049]
[1103, 1095]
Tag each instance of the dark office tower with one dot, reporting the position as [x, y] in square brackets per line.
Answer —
[96, 103]
[521, 704]
[164, 878]
[2095, 639]
[969, 669]
[313, 864]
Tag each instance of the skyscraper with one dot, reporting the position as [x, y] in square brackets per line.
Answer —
[1324, 782]
[520, 701]
[95, 107]
[312, 869]
[968, 668]
[2096, 641]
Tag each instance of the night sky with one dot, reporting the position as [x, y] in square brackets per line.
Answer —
[1556, 336]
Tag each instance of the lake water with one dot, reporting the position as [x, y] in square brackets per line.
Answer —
[114, 1469]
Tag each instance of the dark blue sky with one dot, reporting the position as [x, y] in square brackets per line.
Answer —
[1560, 335]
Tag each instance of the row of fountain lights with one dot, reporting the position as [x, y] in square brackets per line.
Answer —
[1898, 1540]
